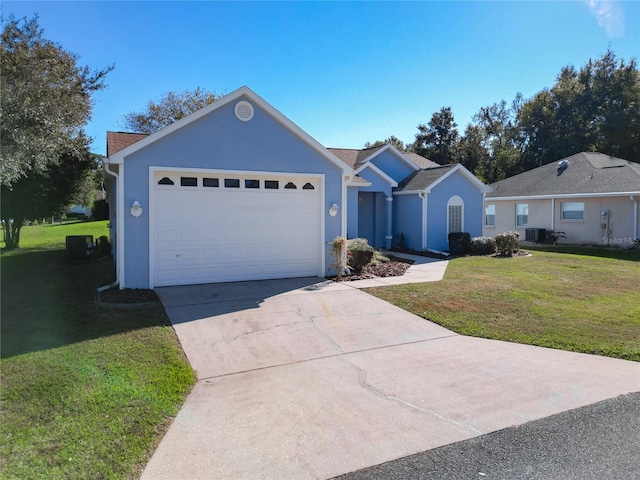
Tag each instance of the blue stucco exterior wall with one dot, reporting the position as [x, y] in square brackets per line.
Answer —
[372, 213]
[455, 184]
[407, 219]
[372, 218]
[392, 166]
[378, 184]
[352, 212]
[220, 141]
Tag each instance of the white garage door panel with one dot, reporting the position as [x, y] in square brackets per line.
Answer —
[204, 234]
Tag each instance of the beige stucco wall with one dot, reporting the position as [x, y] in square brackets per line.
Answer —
[618, 231]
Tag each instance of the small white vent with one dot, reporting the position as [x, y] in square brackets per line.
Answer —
[244, 111]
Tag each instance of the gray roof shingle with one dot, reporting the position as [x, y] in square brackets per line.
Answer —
[585, 173]
[352, 157]
[423, 178]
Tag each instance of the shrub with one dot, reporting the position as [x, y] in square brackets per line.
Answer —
[359, 253]
[338, 251]
[483, 246]
[459, 243]
[507, 243]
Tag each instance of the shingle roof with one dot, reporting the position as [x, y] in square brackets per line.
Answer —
[355, 158]
[420, 161]
[585, 173]
[117, 141]
[421, 179]
[352, 157]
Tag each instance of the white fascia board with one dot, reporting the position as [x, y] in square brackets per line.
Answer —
[561, 196]
[397, 153]
[358, 184]
[386, 177]
[245, 91]
[409, 192]
[470, 176]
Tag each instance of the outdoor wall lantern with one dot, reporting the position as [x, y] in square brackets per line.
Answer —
[136, 209]
[333, 211]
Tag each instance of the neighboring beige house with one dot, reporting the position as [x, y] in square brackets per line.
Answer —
[591, 197]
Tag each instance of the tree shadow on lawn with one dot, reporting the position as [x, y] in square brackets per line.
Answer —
[47, 304]
[630, 254]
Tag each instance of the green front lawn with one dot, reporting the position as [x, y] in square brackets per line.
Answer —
[577, 299]
[87, 389]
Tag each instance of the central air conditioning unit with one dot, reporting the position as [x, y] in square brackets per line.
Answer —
[536, 235]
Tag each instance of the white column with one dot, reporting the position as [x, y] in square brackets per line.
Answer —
[389, 235]
[635, 218]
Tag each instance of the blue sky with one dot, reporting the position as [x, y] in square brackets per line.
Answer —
[345, 72]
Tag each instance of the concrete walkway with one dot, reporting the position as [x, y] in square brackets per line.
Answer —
[299, 379]
[424, 269]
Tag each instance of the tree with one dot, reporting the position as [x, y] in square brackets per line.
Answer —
[171, 107]
[46, 102]
[45, 97]
[497, 124]
[469, 150]
[436, 139]
[45, 193]
[393, 140]
[596, 108]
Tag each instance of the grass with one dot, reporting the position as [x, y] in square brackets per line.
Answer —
[88, 389]
[577, 299]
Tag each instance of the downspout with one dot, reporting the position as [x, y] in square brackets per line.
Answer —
[118, 233]
[635, 217]
[553, 214]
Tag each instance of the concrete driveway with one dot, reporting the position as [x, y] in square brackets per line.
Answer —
[299, 379]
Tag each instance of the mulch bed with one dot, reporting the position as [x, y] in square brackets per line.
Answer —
[128, 296]
[395, 268]
[519, 253]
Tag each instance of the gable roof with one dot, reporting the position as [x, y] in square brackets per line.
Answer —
[357, 158]
[585, 173]
[117, 141]
[426, 179]
[353, 157]
[118, 156]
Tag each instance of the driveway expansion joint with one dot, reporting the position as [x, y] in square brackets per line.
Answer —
[322, 357]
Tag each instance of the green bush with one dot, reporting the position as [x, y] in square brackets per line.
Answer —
[459, 243]
[507, 243]
[483, 246]
[359, 253]
[359, 244]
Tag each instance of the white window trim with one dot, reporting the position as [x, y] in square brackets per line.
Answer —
[493, 225]
[456, 201]
[523, 224]
[571, 220]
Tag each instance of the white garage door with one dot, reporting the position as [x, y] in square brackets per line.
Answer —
[221, 227]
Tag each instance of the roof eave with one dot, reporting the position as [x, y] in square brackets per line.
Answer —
[562, 195]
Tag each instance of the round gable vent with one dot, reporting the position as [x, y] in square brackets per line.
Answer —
[244, 111]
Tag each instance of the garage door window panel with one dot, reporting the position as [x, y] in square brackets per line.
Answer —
[188, 181]
[165, 181]
[210, 182]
